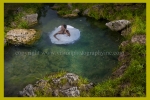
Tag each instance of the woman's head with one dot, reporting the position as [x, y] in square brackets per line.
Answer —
[65, 26]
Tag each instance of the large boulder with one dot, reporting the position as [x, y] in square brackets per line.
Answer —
[22, 36]
[118, 25]
[66, 85]
[31, 19]
[141, 39]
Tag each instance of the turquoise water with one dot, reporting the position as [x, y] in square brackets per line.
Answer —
[24, 65]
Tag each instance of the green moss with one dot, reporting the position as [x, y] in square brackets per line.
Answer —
[23, 24]
[16, 18]
[82, 81]
[108, 88]
[133, 91]
[63, 81]
[36, 37]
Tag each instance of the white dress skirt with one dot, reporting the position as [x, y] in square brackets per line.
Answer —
[64, 38]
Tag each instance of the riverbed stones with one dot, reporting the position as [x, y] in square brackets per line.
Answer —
[141, 39]
[118, 25]
[22, 36]
[67, 85]
[31, 19]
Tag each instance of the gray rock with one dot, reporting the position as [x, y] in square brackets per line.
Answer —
[72, 78]
[55, 7]
[119, 72]
[31, 19]
[22, 36]
[97, 6]
[13, 24]
[141, 39]
[55, 93]
[69, 5]
[54, 87]
[124, 57]
[76, 11]
[118, 25]
[71, 92]
[86, 12]
[5, 42]
[27, 91]
[124, 43]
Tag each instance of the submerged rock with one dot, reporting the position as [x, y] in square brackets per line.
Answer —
[67, 85]
[138, 39]
[118, 25]
[31, 19]
[22, 36]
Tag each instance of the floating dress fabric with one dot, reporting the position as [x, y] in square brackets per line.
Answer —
[64, 38]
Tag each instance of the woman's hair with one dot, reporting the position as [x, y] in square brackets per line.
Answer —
[65, 26]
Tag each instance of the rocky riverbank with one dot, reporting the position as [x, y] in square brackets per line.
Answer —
[58, 85]
[18, 22]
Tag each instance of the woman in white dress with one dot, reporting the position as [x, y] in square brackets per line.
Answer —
[63, 30]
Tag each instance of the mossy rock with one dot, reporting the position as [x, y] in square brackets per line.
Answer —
[60, 84]
[23, 36]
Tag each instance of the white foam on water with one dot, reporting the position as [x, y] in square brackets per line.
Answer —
[64, 38]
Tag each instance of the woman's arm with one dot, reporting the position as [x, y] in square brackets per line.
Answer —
[68, 33]
[55, 36]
